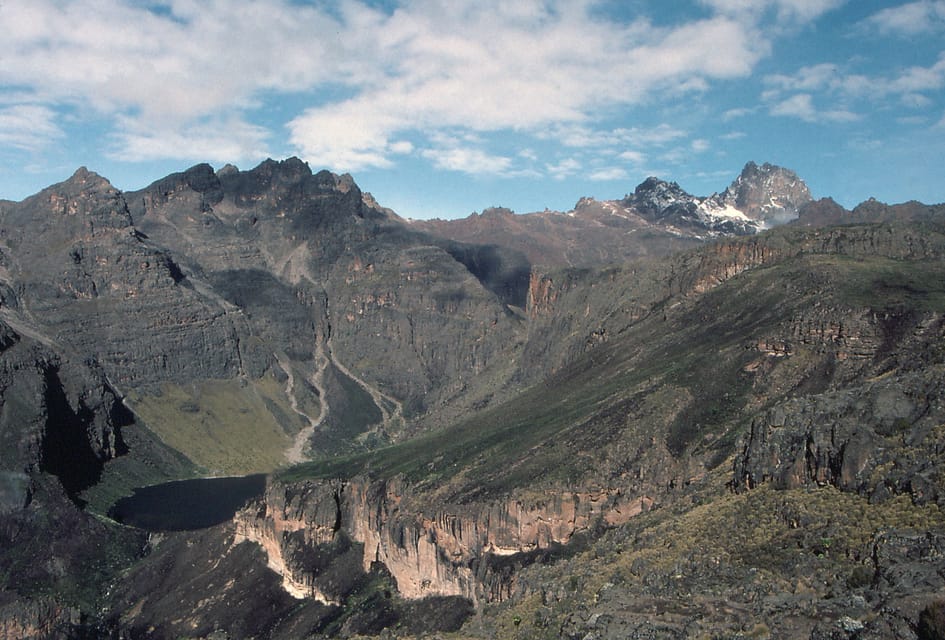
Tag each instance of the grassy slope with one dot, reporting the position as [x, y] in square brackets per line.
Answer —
[226, 427]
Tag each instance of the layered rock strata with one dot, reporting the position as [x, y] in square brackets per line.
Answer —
[447, 551]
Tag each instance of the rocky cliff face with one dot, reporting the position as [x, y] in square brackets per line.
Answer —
[345, 284]
[878, 439]
[61, 421]
[802, 367]
[56, 416]
[451, 550]
[573, 310]
[83, 277]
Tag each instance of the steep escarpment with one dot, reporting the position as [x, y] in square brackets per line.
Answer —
[60, 423]
[738, 438]
[87, 280]
[56, 417]
[416, 323]
[445, 550]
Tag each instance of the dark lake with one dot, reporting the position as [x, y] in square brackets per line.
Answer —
[185, 505]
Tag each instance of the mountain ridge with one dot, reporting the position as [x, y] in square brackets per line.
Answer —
[485, 421]
[665, 216]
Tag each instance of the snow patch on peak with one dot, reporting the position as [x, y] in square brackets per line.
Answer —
[715, 209]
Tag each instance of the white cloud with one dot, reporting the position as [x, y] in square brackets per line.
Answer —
[580, 136]
[401, 147]
[609, 174]
[213, 140]
[795, 11]
[802, 106]
[805, 10]
[118, 55]
[564, 169]
[468, 160]
[547, 67]
[635, 157]
[806, 78]
[910, 19]
[739, 112]
[907, 85]
[28, 127]
[378, 83]
[700, 145]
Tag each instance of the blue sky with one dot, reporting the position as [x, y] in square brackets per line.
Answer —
[445, 107]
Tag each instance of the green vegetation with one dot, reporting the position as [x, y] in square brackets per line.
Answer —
[885, 283]
[224, 426]
[681, 376]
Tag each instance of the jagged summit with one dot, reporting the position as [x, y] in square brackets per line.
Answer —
[769, 193]
[659, 217]
[760, 197]
[82, 180]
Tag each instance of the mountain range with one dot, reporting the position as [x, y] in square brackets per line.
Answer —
[660, 416]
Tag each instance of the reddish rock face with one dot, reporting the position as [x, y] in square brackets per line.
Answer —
[427, 551]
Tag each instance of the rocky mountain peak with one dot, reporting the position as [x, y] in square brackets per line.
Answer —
[84, 183]
[768, 193]
[655, 196]
[84, 204]
[227, 169]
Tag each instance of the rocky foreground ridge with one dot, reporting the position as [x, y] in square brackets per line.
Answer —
[734, 436]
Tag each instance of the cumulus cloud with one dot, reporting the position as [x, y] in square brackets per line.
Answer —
[544, 68]
[379, 80]
[28, 127]
[802, 106]
[910, 19]
[606, 174]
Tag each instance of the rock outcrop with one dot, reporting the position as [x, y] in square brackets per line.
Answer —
[429, 551]
[880, 439]
[768, 193]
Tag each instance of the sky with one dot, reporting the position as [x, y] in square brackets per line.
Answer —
[440, 108]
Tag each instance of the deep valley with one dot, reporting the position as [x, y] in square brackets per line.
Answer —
[664, 416]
